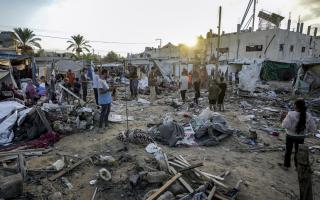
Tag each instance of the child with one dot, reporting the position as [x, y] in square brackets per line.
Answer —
[214, 92]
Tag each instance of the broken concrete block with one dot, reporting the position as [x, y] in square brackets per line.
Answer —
[166, 196]
[176, 188]
[157, 177]
[11, 186]
[134, 179]
[55, 196]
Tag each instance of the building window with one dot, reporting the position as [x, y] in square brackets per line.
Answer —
[281, 47]
[303, 49]
[291, 48]
[254, 48]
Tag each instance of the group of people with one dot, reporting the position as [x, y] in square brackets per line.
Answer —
[216, 88]
[77, 85]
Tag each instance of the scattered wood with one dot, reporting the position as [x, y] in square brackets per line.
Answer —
[164, 187]
[204, 175]
[304, 173]
[182, 181]
[191, 167]
[63, 172]
[211, 194]
[94, 193]
[27, 152]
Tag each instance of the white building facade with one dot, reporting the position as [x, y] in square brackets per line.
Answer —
[273, 44]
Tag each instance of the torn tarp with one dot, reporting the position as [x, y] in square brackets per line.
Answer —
[6, 133]
[169, 133]
[7, 107]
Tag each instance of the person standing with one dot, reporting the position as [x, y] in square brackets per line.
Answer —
[196, 85]
[298, 124]
[133, 76]
[230, 78]
[71, 77]
[152, 81]
[95, 84]
[183, 83]
[77, 87]
[237, 80]
[52, 88]
[214, 92]
[104, 99]
[84, 84]
[223, 88]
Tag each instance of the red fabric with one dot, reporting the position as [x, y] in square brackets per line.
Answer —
[44, 141]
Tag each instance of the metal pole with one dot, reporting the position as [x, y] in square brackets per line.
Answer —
[125, 95]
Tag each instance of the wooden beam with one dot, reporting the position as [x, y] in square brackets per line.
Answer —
[164, 187]
[63, 172]
[211, 194]
[182, 181]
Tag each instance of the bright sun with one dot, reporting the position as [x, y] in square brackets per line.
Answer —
[191, 43]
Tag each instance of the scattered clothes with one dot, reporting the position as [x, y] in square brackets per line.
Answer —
[44, 141]
[169, 133]
[197, 196]
[136, 136]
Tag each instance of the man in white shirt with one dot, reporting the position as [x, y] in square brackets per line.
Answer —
[95, 84]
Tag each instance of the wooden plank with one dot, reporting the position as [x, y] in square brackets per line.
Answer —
[72, 94]
[191, 167]
[63, 172]
[182, 181]
[94, 194]
[166, 161]
[164, 187]
[211, 194]
[175, 164]
[206, 176]
[27, 152]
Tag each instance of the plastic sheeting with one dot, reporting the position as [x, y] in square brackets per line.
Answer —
[165, 69]
[249, 76]
[143, 83]
[6, 134]
[7, 107]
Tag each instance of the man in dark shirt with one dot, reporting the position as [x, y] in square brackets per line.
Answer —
[77, 87]
[223, 88]
[84, 83]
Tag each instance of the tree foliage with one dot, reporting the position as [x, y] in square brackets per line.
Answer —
[78, 45]
[112, 57]
[26, 40]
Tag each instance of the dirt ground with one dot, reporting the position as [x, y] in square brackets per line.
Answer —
[261, 175]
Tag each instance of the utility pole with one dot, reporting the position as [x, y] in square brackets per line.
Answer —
[160, 40]
[254, 14]
[219, 38]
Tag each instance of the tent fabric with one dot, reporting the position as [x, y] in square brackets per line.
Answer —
[64, 65]
[3, 74]
[277, 71]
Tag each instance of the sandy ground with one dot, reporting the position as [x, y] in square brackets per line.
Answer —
[262, 177]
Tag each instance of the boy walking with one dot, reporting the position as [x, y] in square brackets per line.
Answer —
[105, 99]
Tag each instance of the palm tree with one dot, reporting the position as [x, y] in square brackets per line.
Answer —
[78, 44]
[26, 40]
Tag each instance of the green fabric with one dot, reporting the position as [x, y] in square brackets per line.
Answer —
[276, 71]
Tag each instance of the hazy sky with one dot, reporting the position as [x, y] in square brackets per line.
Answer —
[138, 21]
